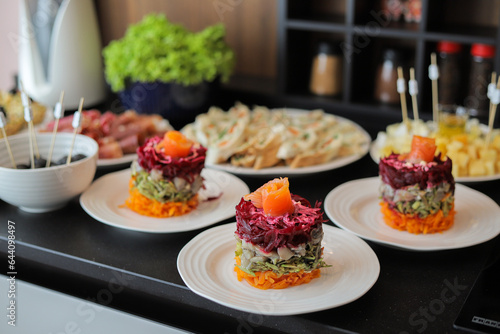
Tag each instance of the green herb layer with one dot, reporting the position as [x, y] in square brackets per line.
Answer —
[310, 261]
[160, 190]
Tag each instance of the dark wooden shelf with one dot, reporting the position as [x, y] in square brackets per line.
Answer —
[361, 37]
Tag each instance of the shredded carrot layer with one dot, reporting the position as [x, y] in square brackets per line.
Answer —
[414, 224]
[269, 280]
[147, 207]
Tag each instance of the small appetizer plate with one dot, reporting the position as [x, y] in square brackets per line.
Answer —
[104, 201]
[206, 264]
[354, 206]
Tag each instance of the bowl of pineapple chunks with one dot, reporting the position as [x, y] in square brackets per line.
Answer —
[473, 159]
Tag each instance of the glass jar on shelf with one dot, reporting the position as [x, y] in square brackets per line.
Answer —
[326, 71]
[387, 75]
[481, 68]
[449, 59]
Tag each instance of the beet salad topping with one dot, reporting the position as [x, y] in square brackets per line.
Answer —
[187, 167]
[400, 173]
[272, 232]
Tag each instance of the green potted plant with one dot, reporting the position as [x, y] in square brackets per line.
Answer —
[161, 67]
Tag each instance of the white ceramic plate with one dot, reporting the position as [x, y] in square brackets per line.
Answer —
[104, 198]
[287, 171]
[375, 147]
[210, 256]
[125, 160]
[354, 206]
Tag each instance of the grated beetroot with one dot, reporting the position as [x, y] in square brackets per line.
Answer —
[186, 168]
[398, 173]
[269, 233]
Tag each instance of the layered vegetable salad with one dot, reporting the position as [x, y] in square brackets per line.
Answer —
[166, 176]
[417, 189]
[278, 237]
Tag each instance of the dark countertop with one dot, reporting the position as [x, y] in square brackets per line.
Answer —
[68, 251]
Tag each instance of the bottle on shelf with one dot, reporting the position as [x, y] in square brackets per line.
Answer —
[387, 75]
[449, 59]
[326, 71]
[481, 68]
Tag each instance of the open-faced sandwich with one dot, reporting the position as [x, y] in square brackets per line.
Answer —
[166, 176]
[278, 238]
[417, 189]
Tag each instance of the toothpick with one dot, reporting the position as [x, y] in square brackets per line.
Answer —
[3, 123]
[494, 100]
[401, 86]
[434, 76]
[58, 113]
[413, 88]
[28, 117]
[77, 121]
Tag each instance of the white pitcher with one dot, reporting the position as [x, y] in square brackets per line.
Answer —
[60, 50]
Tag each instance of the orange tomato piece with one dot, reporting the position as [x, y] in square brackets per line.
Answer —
[175, 144]
[274, 197]
[422, 149]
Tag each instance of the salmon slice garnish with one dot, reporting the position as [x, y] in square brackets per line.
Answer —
[273, 197]
[422, 149]
[175, 144]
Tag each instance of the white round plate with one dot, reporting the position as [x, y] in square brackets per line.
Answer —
[375, 147]
[104, 200]
[206, 264]
[354, 206]
[116, 162]
[287, 171]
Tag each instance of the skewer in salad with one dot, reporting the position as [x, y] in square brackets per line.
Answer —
[417, 189]
[278, 237]
[166, 176]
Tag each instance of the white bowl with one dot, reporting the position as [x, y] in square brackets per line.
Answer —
[46, 189]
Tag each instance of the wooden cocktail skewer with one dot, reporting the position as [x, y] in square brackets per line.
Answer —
[434, 76]
[495, 99]
[3, 123]
[491, 89]
[28, 117]
[413, 89]
[77, 121]
[58, 113]
[401, 86]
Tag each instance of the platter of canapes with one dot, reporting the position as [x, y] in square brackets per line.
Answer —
[267, 142]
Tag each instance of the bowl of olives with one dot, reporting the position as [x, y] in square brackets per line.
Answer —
[35, 186]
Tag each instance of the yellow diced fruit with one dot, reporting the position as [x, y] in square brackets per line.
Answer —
[479, 142]
[496, 143]
[489, 165]
[498, 166]
[441, 148]
[488, 154]
[455, 145]
[453, 155]
[461, 138]
[463, 171]
[476, 168]
[386, 151]
[462, 159]
[472, 151]
[455, 170]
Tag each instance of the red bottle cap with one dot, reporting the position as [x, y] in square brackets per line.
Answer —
[482, 50]
[449, 47]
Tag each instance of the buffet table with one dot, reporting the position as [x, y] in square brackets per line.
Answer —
[68, 251]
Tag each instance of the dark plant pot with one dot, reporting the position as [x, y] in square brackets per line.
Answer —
[177, 103]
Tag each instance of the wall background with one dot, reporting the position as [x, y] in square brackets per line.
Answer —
[251, 28]
[9, 28]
